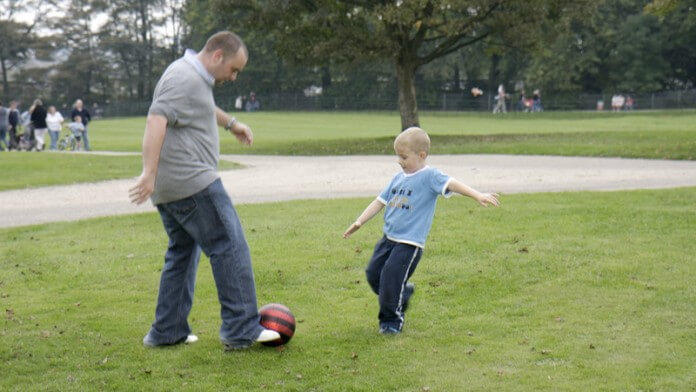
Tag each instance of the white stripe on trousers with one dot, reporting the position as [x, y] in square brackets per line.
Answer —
[403, 286]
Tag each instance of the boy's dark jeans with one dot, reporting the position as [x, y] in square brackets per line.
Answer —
[391, 266]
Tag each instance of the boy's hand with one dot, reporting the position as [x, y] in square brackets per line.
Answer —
[488, 198]
[352, 229]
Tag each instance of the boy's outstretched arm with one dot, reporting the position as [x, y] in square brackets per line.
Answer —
[482, 198]
[371, 210]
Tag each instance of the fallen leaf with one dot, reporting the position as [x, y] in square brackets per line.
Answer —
[592, 346]
[353, 356]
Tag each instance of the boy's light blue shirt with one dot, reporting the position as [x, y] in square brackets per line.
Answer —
[409, 201]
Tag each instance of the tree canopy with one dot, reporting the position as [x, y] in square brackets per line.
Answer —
[373, 51]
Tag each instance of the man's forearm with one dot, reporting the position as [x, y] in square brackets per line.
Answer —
[155, 130]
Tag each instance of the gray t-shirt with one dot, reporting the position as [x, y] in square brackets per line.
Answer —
[189, 157]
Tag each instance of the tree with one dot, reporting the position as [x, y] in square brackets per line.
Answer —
[408, 33]
[18, 38]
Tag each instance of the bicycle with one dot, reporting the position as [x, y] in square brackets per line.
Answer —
[68, 143]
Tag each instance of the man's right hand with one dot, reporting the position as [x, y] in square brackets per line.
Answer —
[142, 189]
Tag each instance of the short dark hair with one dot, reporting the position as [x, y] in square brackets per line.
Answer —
[227, 41]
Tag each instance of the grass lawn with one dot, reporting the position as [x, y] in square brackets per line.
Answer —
[30, 169]
[663, 134]
[564, 291]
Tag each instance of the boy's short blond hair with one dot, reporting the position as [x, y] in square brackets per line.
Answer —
[416, 139]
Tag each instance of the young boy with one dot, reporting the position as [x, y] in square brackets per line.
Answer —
[410, 201]
[77, 128]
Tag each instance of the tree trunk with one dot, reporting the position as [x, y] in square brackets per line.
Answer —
[408, 108]
[5, 82]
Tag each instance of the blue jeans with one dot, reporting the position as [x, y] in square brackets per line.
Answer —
[3, 138]
[206, 221]
[391, 266]
[54, 138]
[84, 138]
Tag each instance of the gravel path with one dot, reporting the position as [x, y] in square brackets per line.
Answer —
[280, 178]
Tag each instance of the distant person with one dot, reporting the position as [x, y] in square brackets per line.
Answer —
[79, 110]
[252, 104]
[500, 101]
[409, 200]
[13, 121]
[629, 103]
[54, 121]
[239, 103]
[617, 102]
[181, 149]
[536, 101]
[521, 107]
[600, 105]
[77, 128]
[38, 120]
[4, 127]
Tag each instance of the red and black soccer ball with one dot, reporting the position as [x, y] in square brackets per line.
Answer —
[278, 318]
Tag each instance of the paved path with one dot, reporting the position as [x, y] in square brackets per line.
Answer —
[280, 178]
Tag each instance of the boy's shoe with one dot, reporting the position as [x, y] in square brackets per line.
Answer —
[389, 331]
[190, 339]
[408, 292]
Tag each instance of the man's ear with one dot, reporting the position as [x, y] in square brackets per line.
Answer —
[218, 56]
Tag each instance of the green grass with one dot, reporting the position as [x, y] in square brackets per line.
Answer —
[662, 134]
[25, 170]
[564, 291]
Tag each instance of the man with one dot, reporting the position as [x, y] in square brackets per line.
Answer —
[79, 110]
[180, 157]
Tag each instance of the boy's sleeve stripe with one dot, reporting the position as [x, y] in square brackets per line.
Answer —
[379, 199]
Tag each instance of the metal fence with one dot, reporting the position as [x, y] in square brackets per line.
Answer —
[447, 101]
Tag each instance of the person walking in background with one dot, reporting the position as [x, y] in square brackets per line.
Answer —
[629, 103]
[252, 104]
[181, 149]
[13, 121]
[500, 101]
[54, 121]
[79, 110]
[536, 101]
[4, 127]
[38, 121]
